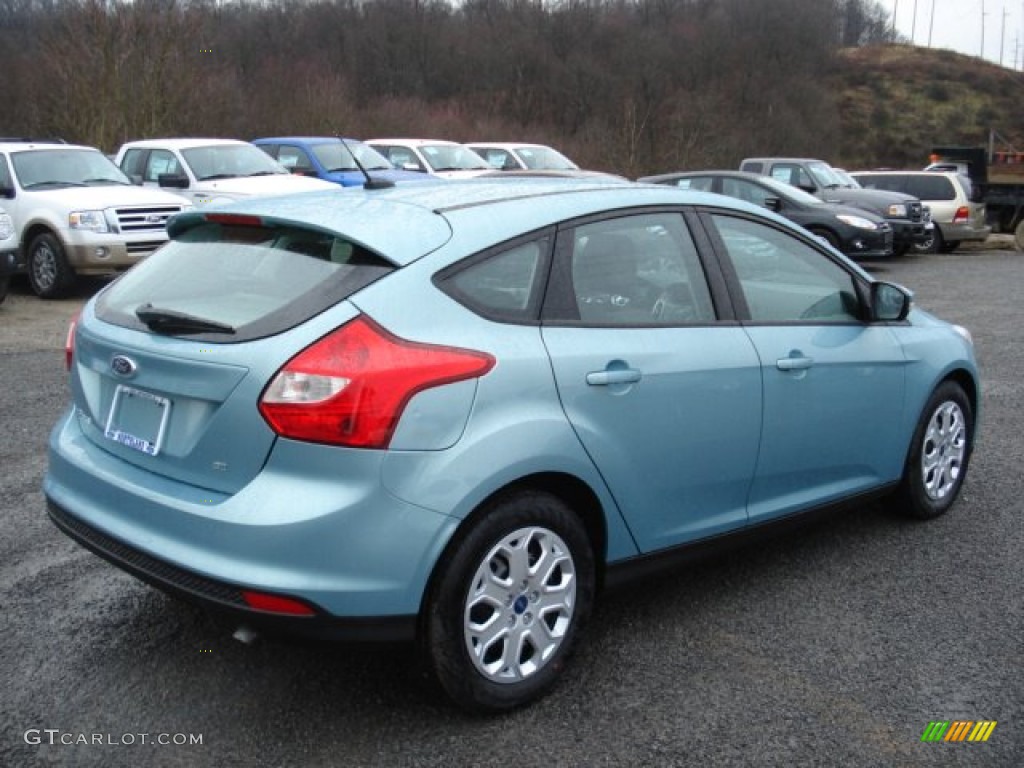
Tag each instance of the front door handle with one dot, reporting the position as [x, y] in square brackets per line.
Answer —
[795, 362]
[614, 376]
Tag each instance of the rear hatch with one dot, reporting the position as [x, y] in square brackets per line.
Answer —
[171, 360]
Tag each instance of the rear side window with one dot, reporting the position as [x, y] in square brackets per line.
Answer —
[254, 280]
[930, 188]
[888, 183]
[505, 285]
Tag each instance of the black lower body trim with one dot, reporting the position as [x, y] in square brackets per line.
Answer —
[623, 572]
[224, 597]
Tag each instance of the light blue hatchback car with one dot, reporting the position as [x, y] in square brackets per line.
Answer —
[454, 411]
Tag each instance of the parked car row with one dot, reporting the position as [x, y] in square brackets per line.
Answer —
[868, 214]
[68, 210]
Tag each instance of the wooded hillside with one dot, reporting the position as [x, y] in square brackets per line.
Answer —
[631, 86]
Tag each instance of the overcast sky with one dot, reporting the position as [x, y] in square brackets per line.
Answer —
[957, 24]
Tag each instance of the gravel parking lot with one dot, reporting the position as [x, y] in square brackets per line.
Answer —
[833, 646]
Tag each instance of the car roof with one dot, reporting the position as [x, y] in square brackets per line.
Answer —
[506, 144]
[432, 212]
[905, 173]
[21, 146]
[182, 143]
[785, 159]
[413, 142]
[757, 178]
[305, 140]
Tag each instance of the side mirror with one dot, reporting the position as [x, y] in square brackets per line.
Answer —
[890, 303]
[7, 193]
[172, 180]
[412, 167]
[773, 204]
[135, 178]
[809, 189]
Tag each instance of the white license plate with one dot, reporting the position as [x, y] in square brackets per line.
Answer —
[138, 419]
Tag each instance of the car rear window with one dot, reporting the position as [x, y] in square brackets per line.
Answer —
[255, 280]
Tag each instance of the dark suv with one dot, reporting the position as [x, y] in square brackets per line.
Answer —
[910, 220]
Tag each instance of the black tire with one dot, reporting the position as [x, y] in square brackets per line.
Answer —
[932, 245]
[939, 454]
[49, 273]
[5, 284]
[949, 246]
[1018, 235]
[464, 603]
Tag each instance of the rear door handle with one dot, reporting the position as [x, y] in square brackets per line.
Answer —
[614, 376]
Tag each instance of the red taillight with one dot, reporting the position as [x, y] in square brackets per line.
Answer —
[351, 386]
[262, 601]
[962, 215]
[69, 342]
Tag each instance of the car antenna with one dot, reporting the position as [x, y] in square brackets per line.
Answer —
[370, 183]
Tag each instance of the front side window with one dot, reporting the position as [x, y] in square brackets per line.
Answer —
[452, 157]
[294, 159]
[545, 158]
[161, 162]
[402, 157]
[5, 175]
[634, 271]
[785, 280]
[499, 159]
[744, 190]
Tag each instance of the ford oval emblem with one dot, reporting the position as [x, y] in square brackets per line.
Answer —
[123, 366]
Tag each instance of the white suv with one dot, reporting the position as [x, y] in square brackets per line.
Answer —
[8, 251]
[74, 213]
[211, 170]
[955, 211]
[444, 159]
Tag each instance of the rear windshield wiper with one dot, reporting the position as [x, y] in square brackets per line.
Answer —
[172, 321]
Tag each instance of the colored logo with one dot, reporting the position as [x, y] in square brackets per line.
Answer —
[958, 730]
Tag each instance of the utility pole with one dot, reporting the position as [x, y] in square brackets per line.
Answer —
[981, 53]
[895, 12]
[1002, 35]
[931, 24]
[913, 26]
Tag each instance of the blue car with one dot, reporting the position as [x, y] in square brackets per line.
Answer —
[452, 412]
[331, 159]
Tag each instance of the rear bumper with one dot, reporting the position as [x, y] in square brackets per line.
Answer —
[224, 597]
[339, 543]
[962, 232]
